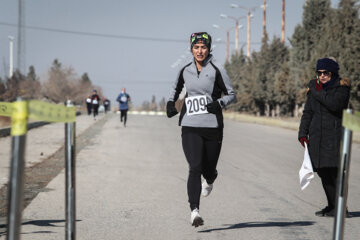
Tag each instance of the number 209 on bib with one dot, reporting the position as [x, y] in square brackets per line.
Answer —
[196, 105]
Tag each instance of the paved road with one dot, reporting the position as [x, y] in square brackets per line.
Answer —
[131, 184]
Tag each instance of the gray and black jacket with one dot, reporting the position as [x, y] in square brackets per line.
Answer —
[213, 82]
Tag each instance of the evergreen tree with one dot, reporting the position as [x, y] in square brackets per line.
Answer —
[304, 41]
[278, 54]
[31, 87]
[31, 76]
[85, 78]
[349, 40]
[13, 86]
[236, 70]
[260, 60]
[285, 89]
[2, 89]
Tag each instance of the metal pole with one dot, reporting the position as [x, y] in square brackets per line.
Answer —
[248, 34]
[264, 20]
[227, 45]
[283, 22]
[16, 181]
[237, 36]
[11, 61]
[342, 185]
[70, 208]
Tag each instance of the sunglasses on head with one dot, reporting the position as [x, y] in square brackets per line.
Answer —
[200, 35]
[326, 73]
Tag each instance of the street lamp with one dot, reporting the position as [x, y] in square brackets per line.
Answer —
[236, 29]
[249, 16]
[227, 38]
[11, 39]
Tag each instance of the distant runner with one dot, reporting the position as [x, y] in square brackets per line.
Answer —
[95, 100]
[106, 105]
[201, 118]
[88, 105]
[123, 100]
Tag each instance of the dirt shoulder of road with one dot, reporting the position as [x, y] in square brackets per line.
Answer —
[289, 123]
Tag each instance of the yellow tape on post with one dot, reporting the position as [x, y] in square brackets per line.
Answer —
[19, 118]
[351, 121]
[51, 112]
[5, 109]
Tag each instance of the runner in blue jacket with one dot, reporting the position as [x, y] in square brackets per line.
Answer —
[208, 91]
[123, 100]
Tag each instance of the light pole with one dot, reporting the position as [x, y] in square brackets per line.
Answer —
[249, 16]
[236, 29]
[264, 19]
[11, 39]
[227, 39]
[283, 22]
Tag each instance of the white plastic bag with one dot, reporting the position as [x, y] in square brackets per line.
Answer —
[306, 173]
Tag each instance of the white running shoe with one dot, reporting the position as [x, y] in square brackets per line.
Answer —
[206, 189]
[196, 219]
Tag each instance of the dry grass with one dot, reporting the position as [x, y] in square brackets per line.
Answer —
[5, 122]
[289, 123]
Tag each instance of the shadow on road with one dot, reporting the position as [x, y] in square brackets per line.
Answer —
[39, 223]
[354, 214]
[261, 224]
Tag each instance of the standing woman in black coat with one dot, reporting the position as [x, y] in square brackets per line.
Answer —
[320, 126]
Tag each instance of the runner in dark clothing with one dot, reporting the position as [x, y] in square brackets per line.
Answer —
[106, 105]
[95, 100]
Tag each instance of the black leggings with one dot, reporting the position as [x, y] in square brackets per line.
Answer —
[95, 109]
[202, 153]
[329, 180]
[123, 114]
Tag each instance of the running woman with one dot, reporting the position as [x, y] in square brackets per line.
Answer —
[123, 100]
[208, 91]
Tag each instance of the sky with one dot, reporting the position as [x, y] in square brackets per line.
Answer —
[136, 44]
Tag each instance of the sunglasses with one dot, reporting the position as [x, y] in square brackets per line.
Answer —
[326, 73]
[201, 35]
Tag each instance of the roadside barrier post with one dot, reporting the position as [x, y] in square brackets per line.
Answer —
[351, 123]
[16, 182]
[70, 209]
[19, 112]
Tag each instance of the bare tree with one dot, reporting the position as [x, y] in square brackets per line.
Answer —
[162, 104]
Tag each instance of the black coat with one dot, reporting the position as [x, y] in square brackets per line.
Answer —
[321, 122]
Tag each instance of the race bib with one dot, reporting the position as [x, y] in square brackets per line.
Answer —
[95, 101]
[123, 99]
[196, 105]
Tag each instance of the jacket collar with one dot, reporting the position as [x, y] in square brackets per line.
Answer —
[334, 82]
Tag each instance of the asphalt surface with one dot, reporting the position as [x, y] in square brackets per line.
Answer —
[131, 184]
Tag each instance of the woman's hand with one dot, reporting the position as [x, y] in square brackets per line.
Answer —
[214, 107]
[304, 140]
[170, 109]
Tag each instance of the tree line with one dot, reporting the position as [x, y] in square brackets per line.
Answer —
[153, 105]
[273, 81]
[61, 83]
